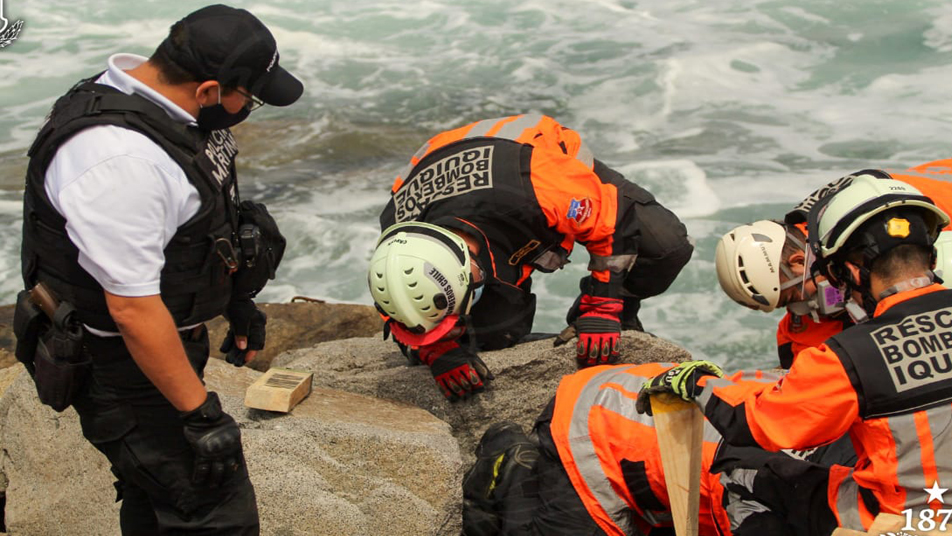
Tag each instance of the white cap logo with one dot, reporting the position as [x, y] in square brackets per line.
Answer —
[274, 59]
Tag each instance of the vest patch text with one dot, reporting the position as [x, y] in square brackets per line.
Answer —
[460, 173]
[917, 351]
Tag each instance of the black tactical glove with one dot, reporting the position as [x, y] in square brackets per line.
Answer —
[216, 440]
[245, 320]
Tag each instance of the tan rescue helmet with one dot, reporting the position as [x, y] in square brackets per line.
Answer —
[748, 261]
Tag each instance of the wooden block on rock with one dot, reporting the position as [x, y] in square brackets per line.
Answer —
[279, 390]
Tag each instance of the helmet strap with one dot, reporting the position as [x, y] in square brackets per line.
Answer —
[796, 241]
[792, 278]
[840, 275]
[869, 302]
[469, 332]
[932, 263]
[857, 313]
[792, 282]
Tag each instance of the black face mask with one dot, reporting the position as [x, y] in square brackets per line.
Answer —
[216, 117]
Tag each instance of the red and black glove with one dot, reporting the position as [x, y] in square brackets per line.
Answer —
[459, 372]
[599, 328]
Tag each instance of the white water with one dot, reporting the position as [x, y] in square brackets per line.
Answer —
[727, 110]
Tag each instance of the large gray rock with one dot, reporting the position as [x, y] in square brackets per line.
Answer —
[300, 325]
[56, 482]
[526, 378]
[339, 464]
[7, 340]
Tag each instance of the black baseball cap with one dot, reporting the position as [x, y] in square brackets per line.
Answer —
[234, 48]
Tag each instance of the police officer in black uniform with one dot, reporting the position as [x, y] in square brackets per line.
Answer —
[135, 377]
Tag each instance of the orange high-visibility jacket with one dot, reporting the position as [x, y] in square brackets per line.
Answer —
[888, 382]
[529, 185]
[795, 334]
[611, 453]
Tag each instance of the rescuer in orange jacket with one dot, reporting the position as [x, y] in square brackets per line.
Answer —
[598, 468]
[478, 209]
[748, 255]
[886, 380]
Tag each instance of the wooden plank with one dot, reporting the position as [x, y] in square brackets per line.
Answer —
[886, 523]
[680, 428]
[279, 389]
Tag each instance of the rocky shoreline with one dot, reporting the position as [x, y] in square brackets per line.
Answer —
[375, 449]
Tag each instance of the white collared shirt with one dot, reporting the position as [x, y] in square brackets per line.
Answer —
[123, 197]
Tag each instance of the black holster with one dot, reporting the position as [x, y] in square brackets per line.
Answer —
[52, 350]
[28, 323]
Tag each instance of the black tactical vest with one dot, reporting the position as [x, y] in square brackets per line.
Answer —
[195, 281]
[901, 361]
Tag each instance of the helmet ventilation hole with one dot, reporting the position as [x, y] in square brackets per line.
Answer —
[408, 271]
[413, 285]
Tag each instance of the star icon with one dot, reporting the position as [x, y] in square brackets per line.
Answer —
[935, 492]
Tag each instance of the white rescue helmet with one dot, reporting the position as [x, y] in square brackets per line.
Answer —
[834, 223]
[420, 275]
[748, 263]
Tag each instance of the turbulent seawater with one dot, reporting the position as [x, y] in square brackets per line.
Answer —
[728, 110]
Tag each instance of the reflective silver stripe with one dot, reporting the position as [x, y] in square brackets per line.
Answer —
[657, 518]
[482, 127]
[580, 441]
[940, 422]
[704, 398]
[550, 260]
[711, 434]
[909, 473]
[513, 129]
[945, 176]
[738, 510]
[847, 504]
[620, 264]
[416, 156]
[405, 173]
[585, 155]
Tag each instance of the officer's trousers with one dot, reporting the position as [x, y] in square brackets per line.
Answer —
[126, 418]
